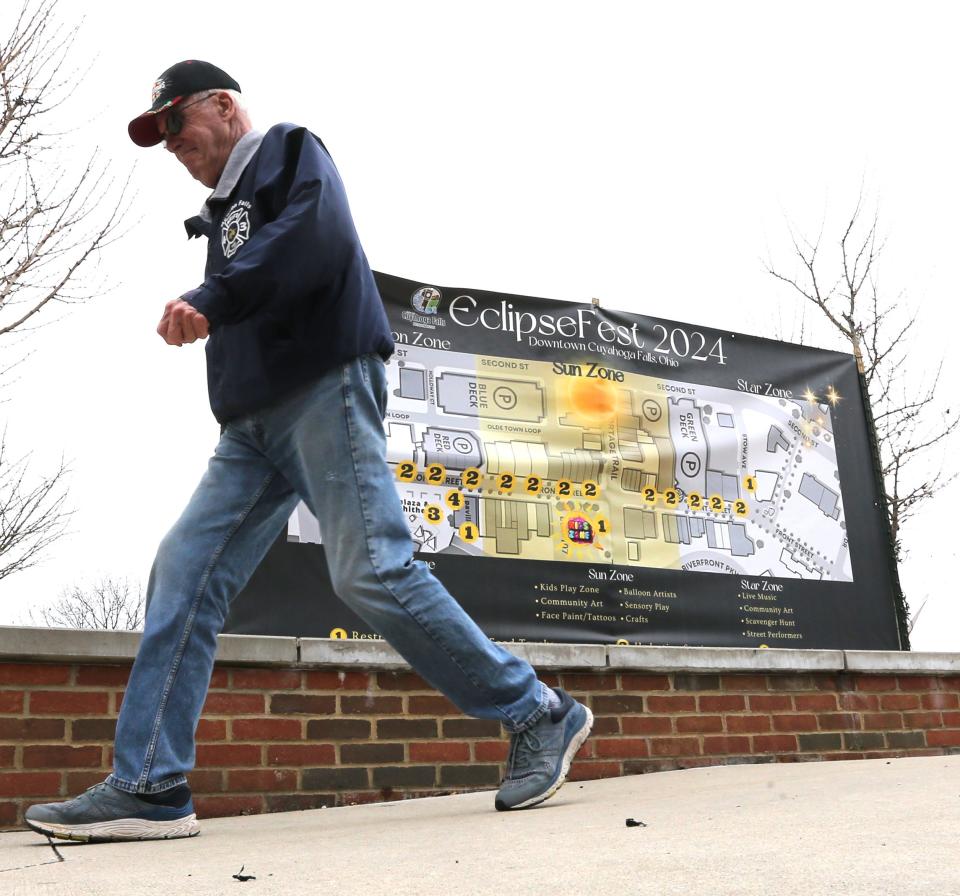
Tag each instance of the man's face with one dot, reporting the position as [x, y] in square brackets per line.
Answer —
[206, 138]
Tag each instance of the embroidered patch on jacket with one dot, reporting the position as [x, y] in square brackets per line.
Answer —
[235, 230]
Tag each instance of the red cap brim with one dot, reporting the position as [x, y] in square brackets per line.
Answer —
[143, 130]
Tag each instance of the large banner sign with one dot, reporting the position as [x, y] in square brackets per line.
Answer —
[573, 473]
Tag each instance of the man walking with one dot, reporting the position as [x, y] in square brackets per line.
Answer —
[295, 368]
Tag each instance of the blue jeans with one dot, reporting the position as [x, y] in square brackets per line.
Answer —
[325, 444]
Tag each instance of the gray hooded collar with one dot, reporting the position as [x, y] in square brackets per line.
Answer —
[240, 156]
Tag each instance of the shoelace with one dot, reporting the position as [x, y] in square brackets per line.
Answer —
[525, 745]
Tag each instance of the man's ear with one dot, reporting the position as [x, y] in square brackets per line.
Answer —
[225, 104]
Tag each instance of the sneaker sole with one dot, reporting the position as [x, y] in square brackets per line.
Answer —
[120, 829]
[576, 742]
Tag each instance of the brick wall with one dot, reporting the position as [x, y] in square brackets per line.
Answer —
[275, 739]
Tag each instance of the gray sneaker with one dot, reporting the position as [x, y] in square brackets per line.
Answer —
[104, 813]
[540, 756]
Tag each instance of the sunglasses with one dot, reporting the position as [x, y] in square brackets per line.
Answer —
[175, 120]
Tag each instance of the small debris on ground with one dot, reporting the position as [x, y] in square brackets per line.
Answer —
[241, 876]
[56, 851]
[633, 823]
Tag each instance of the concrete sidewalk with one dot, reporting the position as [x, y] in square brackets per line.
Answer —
[860, 827]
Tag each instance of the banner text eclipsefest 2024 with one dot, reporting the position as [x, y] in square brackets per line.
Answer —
[577, 474]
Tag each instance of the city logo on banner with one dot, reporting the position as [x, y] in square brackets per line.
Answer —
[426, 309]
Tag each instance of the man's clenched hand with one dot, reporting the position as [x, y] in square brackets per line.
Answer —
[182, 323]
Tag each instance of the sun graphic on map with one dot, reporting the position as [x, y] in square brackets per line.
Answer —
[593, 400]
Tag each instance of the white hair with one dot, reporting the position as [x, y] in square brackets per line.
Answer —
[237, 99]
[203, 94]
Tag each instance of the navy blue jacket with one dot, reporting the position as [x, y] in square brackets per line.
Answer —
[288, 291]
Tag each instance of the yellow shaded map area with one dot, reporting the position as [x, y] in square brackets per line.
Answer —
[575, 427]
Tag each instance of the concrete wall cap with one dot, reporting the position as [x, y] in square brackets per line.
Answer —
[901, 661]
[349, 652]
[67, 645]
[86, 646]
[261, 650]
[723, 659]
[560, 656]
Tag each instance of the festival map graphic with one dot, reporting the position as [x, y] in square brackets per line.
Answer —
[540, 461]
[574, 473]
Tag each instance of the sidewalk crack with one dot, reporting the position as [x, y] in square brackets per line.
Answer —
[56, 852]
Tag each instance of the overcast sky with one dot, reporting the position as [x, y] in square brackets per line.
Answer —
[648, 156]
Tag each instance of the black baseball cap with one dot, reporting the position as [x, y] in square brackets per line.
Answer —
[176, 83]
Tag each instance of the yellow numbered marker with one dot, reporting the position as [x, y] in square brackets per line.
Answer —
[740, 508]
[469, 532]
[532, 485]
[602, 525]
[454, 499]
[716, 503]
[564, 488]
[750, 483]
[435, 474]
[471, 478]
[590, 489]
[650, 495]
[338, 634]
[506, 482]
[406, 471]
[433, 513]
[671, 497]
[695, 500]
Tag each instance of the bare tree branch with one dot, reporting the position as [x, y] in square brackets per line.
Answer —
[32, 517]
[108, 604]
[55, 221]
[909, 419]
